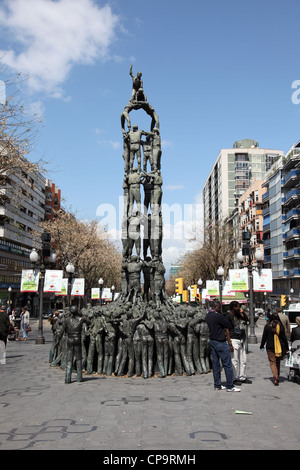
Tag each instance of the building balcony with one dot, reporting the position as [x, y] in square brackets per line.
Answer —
[292, 195]
[292, 214]
[15, 234]
[292, 159]
[293, 233]
[289, 180]
[291, 272]
[266, 211]
[293, 253]
[265, 196]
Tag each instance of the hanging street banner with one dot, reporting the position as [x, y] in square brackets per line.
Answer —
[53, 280]
[77, 287]
[30, 280]
[204, 295]
[95, 293]
[106, 293]
[227, 290]
[262, 280]
[238, 279]
[212, 288]
[64, 288]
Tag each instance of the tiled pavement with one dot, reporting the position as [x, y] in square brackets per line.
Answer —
[40, 412]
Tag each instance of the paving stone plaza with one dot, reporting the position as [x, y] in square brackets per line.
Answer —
[114, 414]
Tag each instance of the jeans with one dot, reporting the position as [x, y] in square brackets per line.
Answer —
[2, 350]
[25, 335]
[220, 350]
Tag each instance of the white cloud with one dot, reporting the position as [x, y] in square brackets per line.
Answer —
[50, 37]
[182, 227]
[166, 144]
[174, 187]
[114, 144]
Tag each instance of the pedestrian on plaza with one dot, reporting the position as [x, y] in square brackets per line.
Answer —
[295, 334]
[268, 313]
[276, 344]
[53, 320]
[285, 321]
[13, 325]
[220, 347]
[4, 328]
[238, 335]
[24, 323]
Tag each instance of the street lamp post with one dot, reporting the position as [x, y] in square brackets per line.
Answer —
[252, 339]
[9, 297]
[200, 282]
[220, 273]
[70, 271]
[113, 293]
[100, 282]
[291, 294]
[46, 257]
[189, 295]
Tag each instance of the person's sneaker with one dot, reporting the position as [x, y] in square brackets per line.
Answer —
[237, 382]
[220, 388]
[246, 381]
[233, 389]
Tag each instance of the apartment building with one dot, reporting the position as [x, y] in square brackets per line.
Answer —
[52, 200]
[251, 215]
[291, 218]
[231, 175]
[22, 209]
[281, 222]
[26, 200]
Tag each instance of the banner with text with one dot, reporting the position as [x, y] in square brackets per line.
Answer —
[64, 288]
[95, 293]
[212, 288]
[53, 280]
[30, 280]
[238, 279]
[262, 280]
[77, 287]
[106, 293]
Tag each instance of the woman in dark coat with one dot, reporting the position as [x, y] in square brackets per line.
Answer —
[276, 344]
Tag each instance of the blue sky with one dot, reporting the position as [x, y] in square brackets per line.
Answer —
[215, 72]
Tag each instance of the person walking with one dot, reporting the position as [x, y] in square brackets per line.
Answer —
[24, 323]
[276, 344]
[285, 321]
[238, 336]
[4, 327]
[220, 349]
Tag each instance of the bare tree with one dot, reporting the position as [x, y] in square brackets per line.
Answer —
[18, 131]
[87, 246]
[217, 250]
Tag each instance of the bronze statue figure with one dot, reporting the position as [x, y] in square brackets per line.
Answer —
[142, 333]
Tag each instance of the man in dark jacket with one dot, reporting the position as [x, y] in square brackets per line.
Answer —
[220, 349]
[4, 327]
